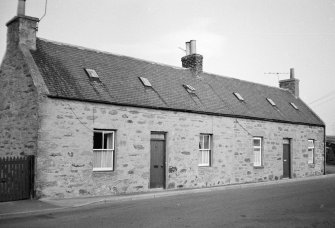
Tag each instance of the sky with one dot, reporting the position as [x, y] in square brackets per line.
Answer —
[244, 39]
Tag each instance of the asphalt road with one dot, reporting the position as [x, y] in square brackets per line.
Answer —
[295, 204]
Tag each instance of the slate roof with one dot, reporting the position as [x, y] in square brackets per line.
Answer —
[63, 69]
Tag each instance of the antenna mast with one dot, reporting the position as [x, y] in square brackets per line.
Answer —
[45, 10]
[276, 73]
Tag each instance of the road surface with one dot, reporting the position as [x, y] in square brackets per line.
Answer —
[295, 204]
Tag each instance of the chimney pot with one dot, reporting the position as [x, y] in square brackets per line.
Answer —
[21, 8]
[291, 73]
[193, 47]
[188, 48]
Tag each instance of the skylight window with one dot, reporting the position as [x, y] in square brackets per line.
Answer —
[91, 73]
[238, 96]
[145, 81]
[294, 106]
[271, 101]
[189, 88]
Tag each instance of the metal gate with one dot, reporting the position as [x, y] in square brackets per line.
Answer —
[16, 178]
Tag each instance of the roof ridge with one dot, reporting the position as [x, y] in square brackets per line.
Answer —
[243, 80]
[108, 53]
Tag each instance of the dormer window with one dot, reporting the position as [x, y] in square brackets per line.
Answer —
[189, 88]
[91, 73]
[294, 106]
[145, 82]
[271, 101]
[238, 96]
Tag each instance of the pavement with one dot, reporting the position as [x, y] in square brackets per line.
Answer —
[23, 208]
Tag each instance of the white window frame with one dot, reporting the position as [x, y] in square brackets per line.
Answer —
[238, 96]
[258, 155]
[145, 81]
[104, 152]
[311, 151]
[189, 89]
[271, 101]
[92, 73]
[294, 106]
[205, 153]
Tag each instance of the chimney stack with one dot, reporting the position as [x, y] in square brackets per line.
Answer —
[192, 60]
[22, 29]
[291, 84]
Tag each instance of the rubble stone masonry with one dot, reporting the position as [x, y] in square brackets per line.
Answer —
[18, 107]
[65, 141]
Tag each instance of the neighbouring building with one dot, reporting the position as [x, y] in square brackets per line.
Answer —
[330, 148]
[103, 124]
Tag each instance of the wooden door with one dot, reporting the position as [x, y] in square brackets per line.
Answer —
[286, 158]
[157, 161]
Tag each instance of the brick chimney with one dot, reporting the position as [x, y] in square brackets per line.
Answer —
[22, 29]
[291, 84]
[192, 60]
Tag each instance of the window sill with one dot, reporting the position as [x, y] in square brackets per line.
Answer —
[102, 170]
[204, 166]
[259, 167]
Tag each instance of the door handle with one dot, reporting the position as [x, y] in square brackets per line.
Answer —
[285, 160]
[162, 166]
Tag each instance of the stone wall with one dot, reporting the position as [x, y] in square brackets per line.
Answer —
[64, 162]
[18, 106]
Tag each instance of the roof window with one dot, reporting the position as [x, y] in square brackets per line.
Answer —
[91, 73]
[189, 88]
[238, 96]
[271, 101]
[294, 106]
[145, 81]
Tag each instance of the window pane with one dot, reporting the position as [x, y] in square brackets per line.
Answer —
[200, 157]
[257, 142]
[310, 143]
[109, 159]
[201, 142]
[205, 157]
[96, 159]
[310, 155]
[157, 136]
[97, 140]
[206, 141]
[103, 159]
[257, 148]
[108, 141]
[257, 158]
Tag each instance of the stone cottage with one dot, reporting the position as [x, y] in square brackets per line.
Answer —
[104, 124]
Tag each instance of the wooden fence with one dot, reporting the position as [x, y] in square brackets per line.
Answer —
[16, 178]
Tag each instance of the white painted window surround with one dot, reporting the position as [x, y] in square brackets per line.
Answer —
[103, 150]
[257, 149]
[311, 148]
[204, 155]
